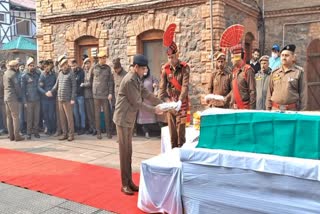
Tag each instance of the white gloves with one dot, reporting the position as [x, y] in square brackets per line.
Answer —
[179, 103]
[82, 85]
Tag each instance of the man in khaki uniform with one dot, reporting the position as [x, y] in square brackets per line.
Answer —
[243, 81]
[173, 87]
[287, 88]
[220, 82]
[31, 98]
[102, 88]
[129, 101]
[262, 82]
[12, 95]
[66, 92]
[118, 75]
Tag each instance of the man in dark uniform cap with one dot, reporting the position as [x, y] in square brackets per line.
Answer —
[129, 100]
[287, 88]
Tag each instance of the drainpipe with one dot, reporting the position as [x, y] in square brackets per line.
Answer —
[294, 23]
[211, 27]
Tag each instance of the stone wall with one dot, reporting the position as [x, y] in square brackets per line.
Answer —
[295, 32]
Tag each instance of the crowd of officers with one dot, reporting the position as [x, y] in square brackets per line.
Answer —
[254, 85]
[59, 97]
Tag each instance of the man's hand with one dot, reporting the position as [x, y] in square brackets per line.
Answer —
[82, 85]
[49, 94]
[110, 97]
[179, 103]
[71, 102]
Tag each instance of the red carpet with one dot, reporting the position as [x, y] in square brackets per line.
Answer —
[83, 183]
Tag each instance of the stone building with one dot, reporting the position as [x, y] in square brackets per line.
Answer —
[125, 27]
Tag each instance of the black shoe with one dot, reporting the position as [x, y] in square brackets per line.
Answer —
[19, 138]
[36, 135]
[90, 131]
[81, 132]
[94, 132]
[29, 137]
[126, 190]
[63, 137]
[134, 187]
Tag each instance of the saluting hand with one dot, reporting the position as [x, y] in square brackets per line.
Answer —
[71, 102]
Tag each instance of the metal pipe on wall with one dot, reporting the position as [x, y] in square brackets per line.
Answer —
[211, 27]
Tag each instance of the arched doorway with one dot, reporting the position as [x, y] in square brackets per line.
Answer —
[87, 45]
[313, 75]
[248, 45]
[150, 44]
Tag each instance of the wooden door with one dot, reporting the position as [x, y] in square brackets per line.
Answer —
[156, 54]
[313, 75]
[86, 45]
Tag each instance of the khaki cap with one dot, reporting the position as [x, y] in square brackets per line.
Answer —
[264, 58]
[13, 63]
[102, 54]
[63, 62]
[60, 58]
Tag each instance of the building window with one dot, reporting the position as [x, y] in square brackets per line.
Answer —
[23, 27]
[2, 17]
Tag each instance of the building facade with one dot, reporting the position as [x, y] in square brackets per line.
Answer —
[124, 27]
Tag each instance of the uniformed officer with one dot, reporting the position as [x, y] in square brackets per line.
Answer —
[243, 81]
[12, 94]
[31, 98]
[220, 82]
[88, 97]
[287, 89]
[262, 82]
[102, 88]
[66, 92]
[130, 100]
[173, 87]
[118, 75]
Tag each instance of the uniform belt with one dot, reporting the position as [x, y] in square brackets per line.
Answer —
[284, 107]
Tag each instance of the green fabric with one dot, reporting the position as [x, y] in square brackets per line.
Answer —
[293, 135]
[20, 43]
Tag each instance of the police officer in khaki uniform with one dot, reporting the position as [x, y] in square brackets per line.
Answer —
[262, 82]
[220, 82]
[173, 87]
[118, 75]
[102, 88]
[12, 95]
[243, 81]
[31, 98]
[287, 88]
[129, 101]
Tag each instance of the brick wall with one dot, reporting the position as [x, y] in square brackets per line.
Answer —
[271, 5]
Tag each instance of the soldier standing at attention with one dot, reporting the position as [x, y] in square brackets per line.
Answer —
[66, 93]
[262, 82]
[243, 81]
[130, 100]
[174, 88]
[220, 82]
[287, 89]
[102, 88]
[12, 95]
[31, 98]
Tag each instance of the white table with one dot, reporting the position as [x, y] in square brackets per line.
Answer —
[192, 136]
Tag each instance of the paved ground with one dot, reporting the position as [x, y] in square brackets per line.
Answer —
[86, 149]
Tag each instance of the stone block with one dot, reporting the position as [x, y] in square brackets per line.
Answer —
[163, 20]
[148, 22]
[70, 35]
[205, 35]
[131, 50]
[93, 27]
[205, 56]
[205, 77]
[48, 47]
[205, 11]
[133, 41]
[82, 29]
[102, 43]
[47, 39]
[104, 34]
[195, 78]
[130, 30]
